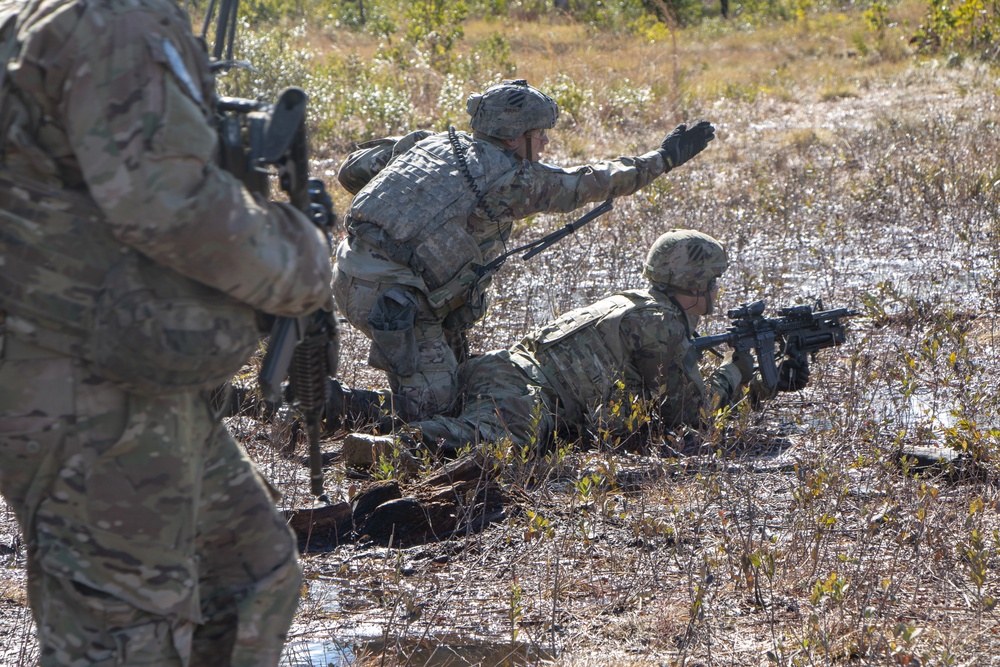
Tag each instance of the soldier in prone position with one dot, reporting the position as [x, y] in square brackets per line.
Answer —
[630, 344]
[132, 269]
[406, 273]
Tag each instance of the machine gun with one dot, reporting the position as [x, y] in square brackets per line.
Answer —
[256, 137]
[797, 332]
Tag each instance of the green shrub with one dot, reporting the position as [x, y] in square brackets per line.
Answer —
[274, 62]
[971, 26]
[353, 101]
[625, 104]
[435, 26]
[573, 99]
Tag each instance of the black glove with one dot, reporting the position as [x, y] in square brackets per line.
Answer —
[793, 374]
[683, 144]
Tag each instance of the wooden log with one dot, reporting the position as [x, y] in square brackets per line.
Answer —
[407, 521]
[468, 467]
[325, 522]
[380, 492]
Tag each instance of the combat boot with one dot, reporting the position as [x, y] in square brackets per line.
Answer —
[356, 409]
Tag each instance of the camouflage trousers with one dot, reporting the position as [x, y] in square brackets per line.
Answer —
[498, 401]
[151, 538]
[432, 388]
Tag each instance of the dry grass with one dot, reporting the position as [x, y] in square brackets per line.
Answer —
[795, 537]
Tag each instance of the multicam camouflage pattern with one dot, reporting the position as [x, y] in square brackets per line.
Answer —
[432, 388]
[566, 375]
[127, 120]
[415, 212]
[686, 261]
[69, 286]
[583, 355]
[150, 538]
[511, 108]
[149, 533]
[527, 188]
[499, 401]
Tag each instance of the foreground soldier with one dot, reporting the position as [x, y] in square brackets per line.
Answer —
[634, 344]
[406, 274]
[132, 266]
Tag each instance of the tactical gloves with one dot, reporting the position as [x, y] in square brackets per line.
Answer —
[682, 143]
[743, 363]
[793, 374]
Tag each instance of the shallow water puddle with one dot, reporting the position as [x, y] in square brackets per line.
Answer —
[450, 650]
[335, 641]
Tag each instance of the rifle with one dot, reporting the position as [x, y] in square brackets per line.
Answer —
[299, 348]
[474, 276]
[797, 332]
[537, 246]
[253, 136]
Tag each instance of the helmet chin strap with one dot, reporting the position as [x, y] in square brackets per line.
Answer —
[529, 154]
[709, 301]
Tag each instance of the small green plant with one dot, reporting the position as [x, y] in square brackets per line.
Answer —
[538, 527]
[834, 587]
[574, 101]
[515, 610]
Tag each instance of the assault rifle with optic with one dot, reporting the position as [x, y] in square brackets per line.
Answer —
[797, 332]
[255, 138]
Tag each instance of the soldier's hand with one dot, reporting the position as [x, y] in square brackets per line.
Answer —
[682, 143]
[793, 374]
[743, 362]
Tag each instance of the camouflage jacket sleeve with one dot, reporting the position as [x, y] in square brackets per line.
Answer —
[133, 97]
[538, 187]
[661, 353]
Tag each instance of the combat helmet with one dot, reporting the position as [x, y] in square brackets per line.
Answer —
[685, 261]
[511, 108]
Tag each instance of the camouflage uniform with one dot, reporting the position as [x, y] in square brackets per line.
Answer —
[426, 183]
[567, 374]
[151, 538]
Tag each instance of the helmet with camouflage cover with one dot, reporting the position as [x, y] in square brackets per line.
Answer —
[511, 108]
[685, 261]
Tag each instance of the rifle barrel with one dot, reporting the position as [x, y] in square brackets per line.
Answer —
[706, 342]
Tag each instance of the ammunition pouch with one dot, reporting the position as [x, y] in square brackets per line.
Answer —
[462, 301]
[394, 339]
[471, 311]
[156, 331]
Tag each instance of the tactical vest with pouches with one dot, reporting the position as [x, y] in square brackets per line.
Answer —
[586, 369]
[417, 211]
[69, 286]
